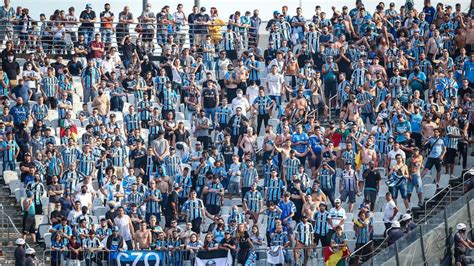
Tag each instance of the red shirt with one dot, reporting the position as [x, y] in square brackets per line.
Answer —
[97, 54]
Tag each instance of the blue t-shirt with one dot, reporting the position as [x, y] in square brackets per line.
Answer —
[415, 122]
[315, 143]
[401, 128]
[287, 209]
[469, 71]
[438, 147]
[297, 138]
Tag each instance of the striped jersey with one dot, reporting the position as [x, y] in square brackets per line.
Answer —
[39, 112]
[90, 76]
[452, 142]
[274, 189]
[214, 197]
[271, 217]
[349, 180]
[10, 149]
[304, 233]
[325, 178]
[291, 166]
[321, 224]
[194, 209]
[249, 176]
[254, 200]
[50, 86]
[172, 165]
[153, 206]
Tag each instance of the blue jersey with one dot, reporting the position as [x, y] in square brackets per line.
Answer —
[153, 206]
[321, 223]
[254, 200]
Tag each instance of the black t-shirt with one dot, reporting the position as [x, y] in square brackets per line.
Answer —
[172, 198]
[410, 143]
[463, 91]
[371, 178]
[75, 68]
[57, 66]
[82, 46]
[87, 15]
[111, 215]
[209, 98]
[12, 69]
[201, 29]
[127, 51]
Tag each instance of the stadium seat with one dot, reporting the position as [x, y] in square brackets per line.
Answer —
[429, 190]
[260, 142]
[444, 181]
[225, 210]
[351, 244]
[348, 226]
[41, 219]
[14, 185]
[457, 171]
[47, 240]
[274, 123]
[350, 234]
[9, 176]
[379, 229]
[378, 216]
[179, 116]
[43, 229]
[98, 211]
[349, 217]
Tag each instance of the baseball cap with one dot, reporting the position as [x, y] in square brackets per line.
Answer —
[115, 229]
[337, 201]
[20, 241]
[88, 6]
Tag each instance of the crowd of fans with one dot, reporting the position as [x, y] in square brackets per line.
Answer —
[138, 151]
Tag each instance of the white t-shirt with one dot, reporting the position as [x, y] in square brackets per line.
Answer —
[252, 93]
[392, 156]
[31, 73]
[85, 199]
[388, 212]
[235, 173]
[274, 83]
[243, 103]
[122, 224]
[336, 216]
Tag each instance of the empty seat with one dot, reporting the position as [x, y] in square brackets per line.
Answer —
[179, 116]
[379, 229]
[98, 211]
[429, 190]
[9, 176]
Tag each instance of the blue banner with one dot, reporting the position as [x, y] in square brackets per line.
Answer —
[138, 258]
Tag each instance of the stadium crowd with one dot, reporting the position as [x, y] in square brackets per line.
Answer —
[123, 149]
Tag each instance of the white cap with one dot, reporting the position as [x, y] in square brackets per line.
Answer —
[395, 224]
[20, 241]
[460, 226]
[30, 251]
[337, 201]
[406, 217]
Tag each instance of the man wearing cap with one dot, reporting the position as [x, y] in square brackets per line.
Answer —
[321, 225]
[87, 18]
[337, 217]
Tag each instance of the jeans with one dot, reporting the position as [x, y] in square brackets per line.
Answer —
[106, 36]
[211, 113]
[116, 103]
[89, 95]
[262, 118]
[369, 116]
[88, 34]
[276, 98]
[9, 166]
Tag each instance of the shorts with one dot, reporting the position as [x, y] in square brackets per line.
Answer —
[233, 187]
[402, 187]
[436, 162]
[106, 35]
[370, 195]
[314, 161]
[213, 209]
[450, 156]
[415, 182]
[29, 225]
[323, 239]
[351, 194]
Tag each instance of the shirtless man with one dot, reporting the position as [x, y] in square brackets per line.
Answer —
[470, 37]
[400, 172]
[242, 75]
[432, 48]
[460, 40]
[427, 128]
[142, 237]
[284, 150]
[352, 109]
[414, 179]
[367, 155]
[301, 103]
[283, 137]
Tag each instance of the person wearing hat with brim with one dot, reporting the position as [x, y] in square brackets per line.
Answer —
[337, 217]
[462, 244]
[30, 259]
[88, 17]
[19, 252]
[321, 225]
[394, 233]
[406, 223]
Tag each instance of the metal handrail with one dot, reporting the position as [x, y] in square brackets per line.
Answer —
[8, 223]
[448, 187]
[330, 105]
